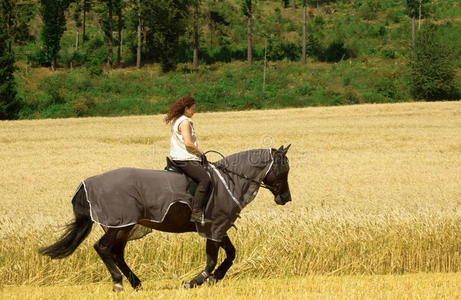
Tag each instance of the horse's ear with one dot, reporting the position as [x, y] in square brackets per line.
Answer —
[286, 149]
[280, 149]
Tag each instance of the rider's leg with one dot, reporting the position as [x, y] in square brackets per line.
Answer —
[196, 171]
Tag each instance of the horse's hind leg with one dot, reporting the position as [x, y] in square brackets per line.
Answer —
[221, 271]
[104, 248]
[118, 252]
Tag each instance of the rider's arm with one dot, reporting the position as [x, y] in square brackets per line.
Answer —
[185, 130]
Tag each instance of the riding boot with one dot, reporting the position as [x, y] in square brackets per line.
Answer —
[197, 204]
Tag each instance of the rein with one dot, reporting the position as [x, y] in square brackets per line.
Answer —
[227, 171]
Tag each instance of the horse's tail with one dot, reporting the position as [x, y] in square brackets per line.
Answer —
[76, 231]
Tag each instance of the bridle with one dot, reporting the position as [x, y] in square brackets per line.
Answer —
[227, 171]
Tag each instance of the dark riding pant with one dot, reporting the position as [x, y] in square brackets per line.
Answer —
[196, 171]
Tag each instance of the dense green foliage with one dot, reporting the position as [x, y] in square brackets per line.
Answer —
[432, 71]
[233, 86]
[9, 104]
[369, 41]
[54, 25]
[165, 22]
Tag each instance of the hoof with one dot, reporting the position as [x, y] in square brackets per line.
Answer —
[118, 287]
[211, 280]
[138, 288]
[186, 285]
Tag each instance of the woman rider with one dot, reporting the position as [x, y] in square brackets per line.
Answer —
[184, 151]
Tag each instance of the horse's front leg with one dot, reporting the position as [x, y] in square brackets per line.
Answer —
[221, 271]
[212, 248]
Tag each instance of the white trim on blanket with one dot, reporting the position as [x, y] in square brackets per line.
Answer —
[226, 186]
[272, 162]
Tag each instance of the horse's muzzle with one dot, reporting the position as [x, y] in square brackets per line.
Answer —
[282, 199]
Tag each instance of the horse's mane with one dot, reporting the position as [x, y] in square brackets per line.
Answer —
[254, 157]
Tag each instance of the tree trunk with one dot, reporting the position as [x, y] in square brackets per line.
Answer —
[111, 41]
[413, 29]
[53, 63]
[211, 36]
[304, 31]
[196, 38]
[293, 4]
[138, 56]
[84, 22]
[249, 33]
[419, 21]
[119, 52]
[265, 65]
[8, 22]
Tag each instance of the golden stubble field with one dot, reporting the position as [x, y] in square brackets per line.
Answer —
[376, 193]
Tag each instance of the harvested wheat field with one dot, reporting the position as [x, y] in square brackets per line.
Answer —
[376, 208]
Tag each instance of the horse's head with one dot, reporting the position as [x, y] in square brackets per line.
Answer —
[277, 178]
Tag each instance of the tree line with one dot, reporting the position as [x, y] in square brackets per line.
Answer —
[156, 26]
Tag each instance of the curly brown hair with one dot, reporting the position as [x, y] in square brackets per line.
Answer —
[177, 109]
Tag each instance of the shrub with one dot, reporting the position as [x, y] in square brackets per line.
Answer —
[275, 49]
[222, 54]
[35, 55]
[313, 47]
[336, 52]
[432, 72]
[319, 20]
[54, 89]
[388, 52]
[369, 9]
[95, 56]
[393, 16]
[81, 105]
[351, 96]
[386, 87]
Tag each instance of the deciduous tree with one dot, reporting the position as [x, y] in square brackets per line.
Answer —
[165, 21]
[432, 71]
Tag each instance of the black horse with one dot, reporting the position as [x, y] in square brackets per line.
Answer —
[113, 199]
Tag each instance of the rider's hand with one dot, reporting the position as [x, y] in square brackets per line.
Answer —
[204, 159]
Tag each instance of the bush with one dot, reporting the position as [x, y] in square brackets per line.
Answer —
[388, 53]
[432, 72]
[369, 9]
[351, 96]
[35, 55]
[222, 54]
[336, 52]
[95, 56]
[393, 16]
[81, 105]
[54, 90]
[386, 87]
[313, 47]
[319, 20]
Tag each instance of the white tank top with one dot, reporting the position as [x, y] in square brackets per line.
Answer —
[178, 149]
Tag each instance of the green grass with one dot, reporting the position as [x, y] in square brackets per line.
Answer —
[218, 87]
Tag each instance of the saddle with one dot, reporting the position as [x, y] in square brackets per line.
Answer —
[171, 166]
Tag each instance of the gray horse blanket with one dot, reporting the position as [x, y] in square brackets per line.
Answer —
[122, 197]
